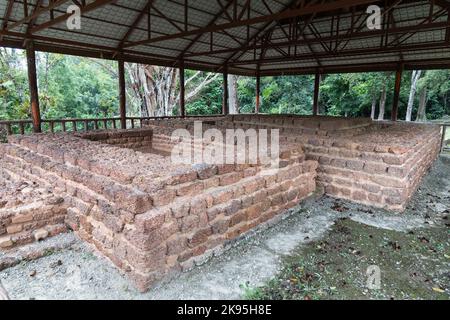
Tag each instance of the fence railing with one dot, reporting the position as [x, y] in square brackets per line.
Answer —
[60, 125]
[445, 138]
[74, 125]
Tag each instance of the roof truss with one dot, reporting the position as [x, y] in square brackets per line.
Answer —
[242, 36]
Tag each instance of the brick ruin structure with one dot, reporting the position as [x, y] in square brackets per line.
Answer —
[119, 191]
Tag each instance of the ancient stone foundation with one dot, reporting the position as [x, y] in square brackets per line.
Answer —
[119, 190]
[28, 211]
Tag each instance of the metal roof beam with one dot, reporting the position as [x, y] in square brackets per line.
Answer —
[211, 23]
[90, 7]
[363, 34]
[36, 14]
[6, 17]
[136, 22]
[330, 6]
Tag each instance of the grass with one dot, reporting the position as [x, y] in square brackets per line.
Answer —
[413, 265]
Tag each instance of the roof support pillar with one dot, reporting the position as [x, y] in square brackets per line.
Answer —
[225, 106]
[182, 92]
[316, 94]
[122, 95]
[258, 92]
[34, 92]
[398, 83]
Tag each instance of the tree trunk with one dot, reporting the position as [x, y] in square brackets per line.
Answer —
[374, 107]
[156, 88]
[422, 113]
[412, 94]
[233, 95]
[382, 103]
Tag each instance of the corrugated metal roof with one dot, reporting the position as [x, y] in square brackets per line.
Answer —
[332, 34]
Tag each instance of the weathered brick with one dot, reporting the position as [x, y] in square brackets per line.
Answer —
[230, 178]
[176, 244]
[355, 165]
[14, 229]
[6, 242]
[22, 218]
[377, 168]
[180, 209]
[163, 197]
[189, 189]
[222, 196]
[220, 225]
[150, 220]
[199, 237]
[189, 223]
[40, 234]
[198, 205]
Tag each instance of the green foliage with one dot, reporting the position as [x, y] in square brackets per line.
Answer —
[14, 91]
[437, 84]
[246, 94]
[209, 100]
[351, 94]
[288, 94]
[74, 87]
[69, 87]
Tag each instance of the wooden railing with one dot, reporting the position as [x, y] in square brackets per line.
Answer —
[446, 137]
[74, 125]
[60, 125]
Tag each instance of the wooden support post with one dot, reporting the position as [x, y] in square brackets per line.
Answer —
[225, 106]
[122, 95]
[398, 83]
[34, 93]
[182, 92]
[316, 94]
[258, 92]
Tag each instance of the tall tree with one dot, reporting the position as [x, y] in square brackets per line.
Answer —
[422, 112]
[382, 102]
[233, 94]
[157, 88]
[414, 80]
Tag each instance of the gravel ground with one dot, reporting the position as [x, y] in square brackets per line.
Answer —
[79, 273]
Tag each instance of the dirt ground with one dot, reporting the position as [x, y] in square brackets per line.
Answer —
[320, 250]
[413, 265]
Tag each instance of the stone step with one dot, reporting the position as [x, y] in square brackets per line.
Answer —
[11, 241]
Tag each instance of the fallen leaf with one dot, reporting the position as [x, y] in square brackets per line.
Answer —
[438, 290]
[424, 240]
